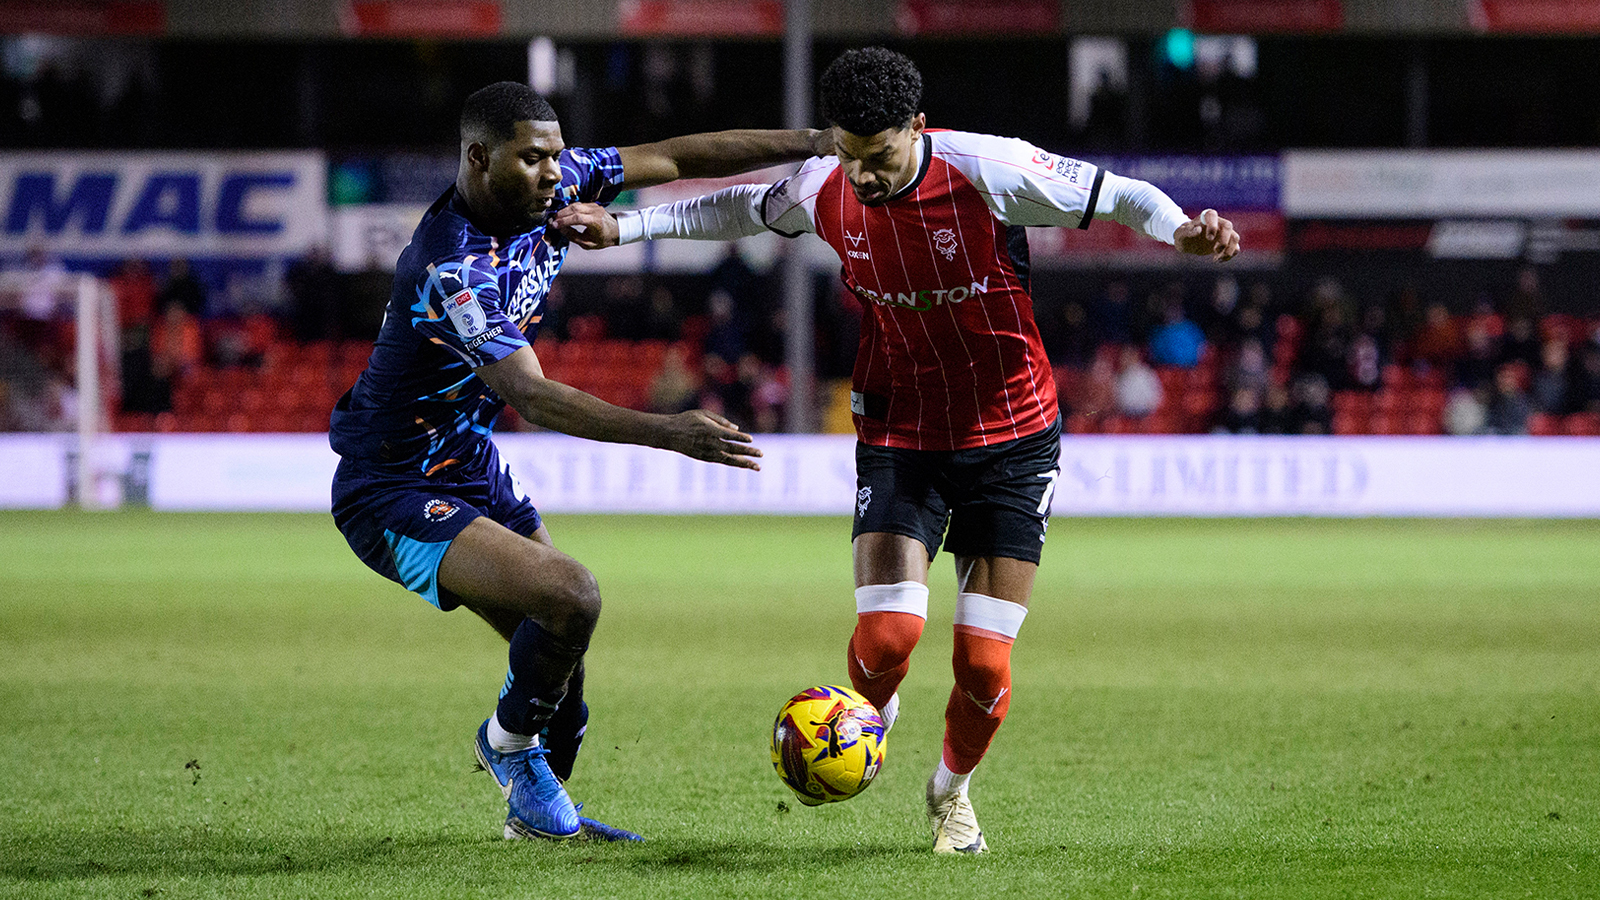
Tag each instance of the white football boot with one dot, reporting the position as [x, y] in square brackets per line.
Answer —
[955, 824]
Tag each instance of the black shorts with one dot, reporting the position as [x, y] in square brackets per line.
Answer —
[995, 500]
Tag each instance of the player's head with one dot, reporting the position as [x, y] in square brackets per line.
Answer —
[873, 98]
[510, 156]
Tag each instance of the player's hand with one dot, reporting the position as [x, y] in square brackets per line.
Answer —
[704, 435]
[587, 224]
[1208, 234]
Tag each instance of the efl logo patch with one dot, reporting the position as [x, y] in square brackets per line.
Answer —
[464, 311]
[437, 510]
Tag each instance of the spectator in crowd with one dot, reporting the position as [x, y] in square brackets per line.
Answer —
[1111, 315]
[1243, 414]
[1138, 386]
[142, 390]
[1526, 300]
[674, 388]
[1476, 367]
[1310, 412]
[1586, 380]
[1508, 407]
[1369, 351]
[1248, 371]
[43, 280]
[1177, 341]
[1277, 414]
[1465, 412]
[725, 338]
[135, 291]
[1438, 343]
[1095, 394]
[182, 288]
[662, 321]
[366, 294]
[1521, 343]
[314, 296]
[1217, 317]
[176, 346]
[1550, 379]
[767, 394]
[1328, 346]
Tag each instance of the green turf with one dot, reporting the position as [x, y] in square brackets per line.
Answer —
[231, 706]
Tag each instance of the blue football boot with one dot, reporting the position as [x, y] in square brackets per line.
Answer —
[539, 805]
[590, 830]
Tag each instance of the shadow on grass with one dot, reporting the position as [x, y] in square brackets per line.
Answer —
[70, 855]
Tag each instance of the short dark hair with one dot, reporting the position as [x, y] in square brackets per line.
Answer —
[870, 90]
[493, 112]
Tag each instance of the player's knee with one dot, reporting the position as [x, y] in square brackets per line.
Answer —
[573, 603]
[885, 640]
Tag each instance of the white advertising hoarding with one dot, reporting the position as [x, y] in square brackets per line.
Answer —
[815, 474]
[1434, 183]
[160, 204]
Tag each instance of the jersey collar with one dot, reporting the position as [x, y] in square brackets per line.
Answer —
[922, 171]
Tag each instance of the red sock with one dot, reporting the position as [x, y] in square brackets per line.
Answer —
[978, 702]
[880, 653]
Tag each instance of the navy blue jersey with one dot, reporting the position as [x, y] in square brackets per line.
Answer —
[461, 299]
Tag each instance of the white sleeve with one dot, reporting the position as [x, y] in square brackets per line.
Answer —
[725, 215]
[1139, 205]
[1024, 185]
[739, 211]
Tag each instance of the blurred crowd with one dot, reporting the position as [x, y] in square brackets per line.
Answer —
[1251, 363]
[1161, 357]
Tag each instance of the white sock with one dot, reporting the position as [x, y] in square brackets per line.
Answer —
[947, 783]
[504, 741]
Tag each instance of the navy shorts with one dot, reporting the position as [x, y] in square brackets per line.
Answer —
[986, 501]
[400, 524]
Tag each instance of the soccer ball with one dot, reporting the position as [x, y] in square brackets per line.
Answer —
[827, 744]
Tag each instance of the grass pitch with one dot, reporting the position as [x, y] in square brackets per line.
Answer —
[232, 706]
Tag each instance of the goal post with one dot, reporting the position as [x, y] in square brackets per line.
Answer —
[42, 304]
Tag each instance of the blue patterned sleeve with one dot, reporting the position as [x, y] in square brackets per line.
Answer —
[591, 175]
[458, 306]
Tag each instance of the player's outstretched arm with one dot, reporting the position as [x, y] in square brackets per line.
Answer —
[718, 153]
[724, 215]
[1208, 234]
[699, 434]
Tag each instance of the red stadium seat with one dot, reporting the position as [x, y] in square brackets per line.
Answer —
[1543, 424]
[1585, 424]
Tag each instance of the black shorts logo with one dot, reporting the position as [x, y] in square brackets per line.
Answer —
[437, 510]
[863, 497]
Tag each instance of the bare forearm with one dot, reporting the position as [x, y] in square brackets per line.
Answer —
[558, 407]
[715, 154]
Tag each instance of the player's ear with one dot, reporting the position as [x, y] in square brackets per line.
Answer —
[478, 156]
[918, 123]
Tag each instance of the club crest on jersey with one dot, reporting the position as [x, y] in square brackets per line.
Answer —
[464, 311]
[855, 242]
[437, 510]
[944, 240]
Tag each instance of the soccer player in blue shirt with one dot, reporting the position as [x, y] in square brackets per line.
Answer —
[421, 493]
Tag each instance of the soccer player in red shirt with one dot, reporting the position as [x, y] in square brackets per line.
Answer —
[959, 435]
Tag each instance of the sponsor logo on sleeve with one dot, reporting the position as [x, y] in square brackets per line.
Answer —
[485, 338]
[464, 311]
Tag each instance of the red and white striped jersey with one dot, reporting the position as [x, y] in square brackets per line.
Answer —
[950, 356]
